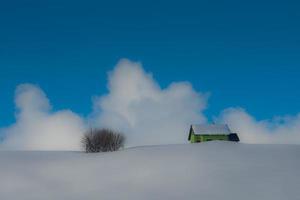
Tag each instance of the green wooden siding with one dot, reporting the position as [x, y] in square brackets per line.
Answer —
[205, 138]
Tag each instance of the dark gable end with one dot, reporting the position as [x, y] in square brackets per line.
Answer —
[190, 133]
[233, 137]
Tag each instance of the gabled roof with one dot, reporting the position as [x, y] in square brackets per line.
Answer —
[210, 129]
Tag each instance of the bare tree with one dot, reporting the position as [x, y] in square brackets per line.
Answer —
[102, 140]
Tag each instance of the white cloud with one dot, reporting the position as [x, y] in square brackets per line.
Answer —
[137, 106]
[37, 128]
[147, 113]
[279, 130]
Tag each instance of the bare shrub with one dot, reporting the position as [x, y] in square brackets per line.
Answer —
[102, 140]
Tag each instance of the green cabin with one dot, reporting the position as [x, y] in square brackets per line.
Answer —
[210, 132]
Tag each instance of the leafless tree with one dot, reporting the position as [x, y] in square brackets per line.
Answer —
[102, 140]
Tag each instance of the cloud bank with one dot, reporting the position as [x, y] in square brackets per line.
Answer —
[279, 130]
[37, 128]
[140, 108]
[148, 114]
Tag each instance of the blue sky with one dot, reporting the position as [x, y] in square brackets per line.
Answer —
[244, 53]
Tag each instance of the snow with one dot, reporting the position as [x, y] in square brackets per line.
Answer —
[208, 171]
[211, 129]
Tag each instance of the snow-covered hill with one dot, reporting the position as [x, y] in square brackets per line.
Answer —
[208, 171]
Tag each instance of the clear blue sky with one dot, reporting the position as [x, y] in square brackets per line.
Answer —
[245, 53]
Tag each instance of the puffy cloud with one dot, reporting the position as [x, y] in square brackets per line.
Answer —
[139, 107]
[279, 130]
[37, 128]
[147, 113]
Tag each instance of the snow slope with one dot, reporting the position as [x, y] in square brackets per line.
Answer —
[208, 171]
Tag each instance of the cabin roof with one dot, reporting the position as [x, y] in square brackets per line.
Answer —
[210, 129]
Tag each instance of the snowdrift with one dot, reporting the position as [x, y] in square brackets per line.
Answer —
[208, 171]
